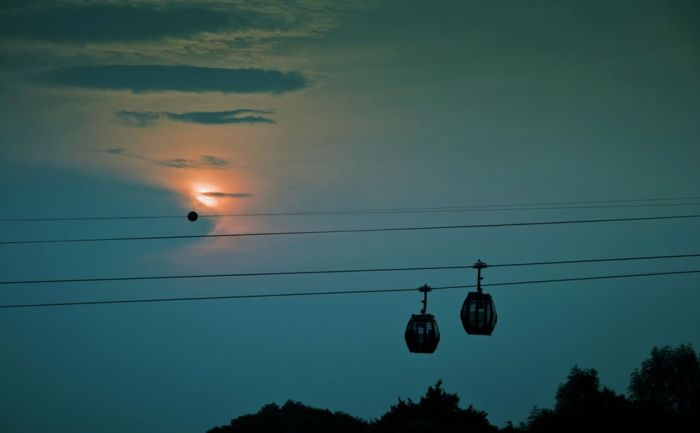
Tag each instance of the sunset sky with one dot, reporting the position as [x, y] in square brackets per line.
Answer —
[156, 108]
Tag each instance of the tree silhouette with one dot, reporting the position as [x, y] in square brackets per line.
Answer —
[664, 396]
[293, 417]
[582, 395]
[437, 411]
[665, 391]
[581, 405]
[670, 378]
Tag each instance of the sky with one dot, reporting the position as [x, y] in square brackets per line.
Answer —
[158, 108]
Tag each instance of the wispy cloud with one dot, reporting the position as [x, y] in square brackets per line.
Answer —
[214, 161]
[138, 118]
[128, 21]
[111, 22]
[182, 78]
[150, 118]
[204, 161]
[218, 194]
[222, 117]
[42, 34]
[177, 163]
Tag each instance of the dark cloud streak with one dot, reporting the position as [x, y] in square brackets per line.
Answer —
[182, 78]
[214, 161]
[205, 161]
[124, 23]
[150, 118]
[138, 118]
[218, 194]
[221, 117]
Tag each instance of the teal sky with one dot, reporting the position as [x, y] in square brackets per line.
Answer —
[155, 108]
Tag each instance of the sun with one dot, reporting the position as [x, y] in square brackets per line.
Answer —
[200, 193]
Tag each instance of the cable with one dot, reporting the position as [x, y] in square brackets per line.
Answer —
[88, 218]
[593, 204]
[457, 209]
[233, 275]
[337, 271]
[607, 259]
[336, 231]
[327, 293]
[598, 277]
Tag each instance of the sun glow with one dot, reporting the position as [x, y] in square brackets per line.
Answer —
[200, 194]
[202, 187]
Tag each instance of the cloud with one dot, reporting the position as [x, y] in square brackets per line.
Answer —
[221, 117]
[205, 161]
[218, 194]
[183, 78]
[138, 118]
[111, 22]
[214, 161]
[177, 163]
[150, 118]
[39, 34]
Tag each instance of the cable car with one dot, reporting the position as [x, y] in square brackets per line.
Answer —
[422, 333]
[478, 311]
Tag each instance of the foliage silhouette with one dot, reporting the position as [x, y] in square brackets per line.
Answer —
[665, 391]
[664, 395]
[581, 405]
[293, 417]
[437, 411]
[670, 378]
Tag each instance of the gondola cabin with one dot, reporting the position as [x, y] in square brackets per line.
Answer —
[422, 333]
[479, 314]
[478, 311]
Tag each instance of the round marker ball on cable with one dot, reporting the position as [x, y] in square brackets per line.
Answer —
[192, 216]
